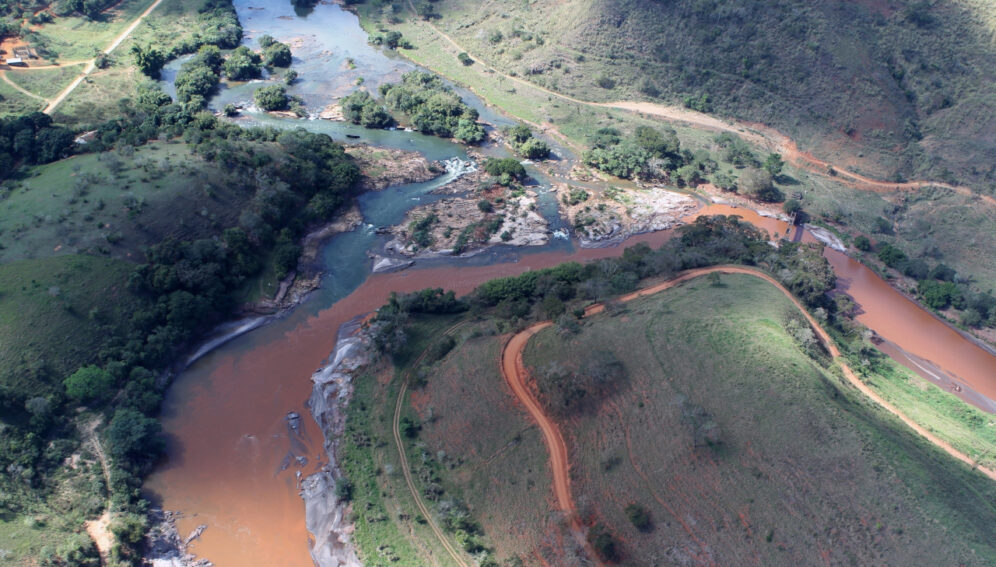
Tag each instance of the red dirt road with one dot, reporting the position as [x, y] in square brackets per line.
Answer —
[514, 371]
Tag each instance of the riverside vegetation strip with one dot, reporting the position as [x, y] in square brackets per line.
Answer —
[475, 455]
[931, 224]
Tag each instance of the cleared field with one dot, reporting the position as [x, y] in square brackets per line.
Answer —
[75, 38]
[744, 450]
[97, 99]
[13, 101]
[45, 83]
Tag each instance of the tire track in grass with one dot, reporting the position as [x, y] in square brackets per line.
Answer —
[403, 456]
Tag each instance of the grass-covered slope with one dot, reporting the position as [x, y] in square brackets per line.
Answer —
[118, 202]
[704, 425]
[55, 313]
[891, 88]
[745, 450]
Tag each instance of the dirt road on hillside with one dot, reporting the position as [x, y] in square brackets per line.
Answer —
[760, 134]
[514, 371]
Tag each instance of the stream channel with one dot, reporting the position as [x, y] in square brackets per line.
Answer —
[239, 436]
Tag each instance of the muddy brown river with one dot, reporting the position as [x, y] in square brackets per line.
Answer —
[227, 416]
[235, 451]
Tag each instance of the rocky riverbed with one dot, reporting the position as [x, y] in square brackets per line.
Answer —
[384, 167]
[477, 216]
[605, 217]
[326, 516]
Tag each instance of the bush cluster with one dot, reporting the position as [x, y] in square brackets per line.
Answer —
[433, 108]
[525, 144]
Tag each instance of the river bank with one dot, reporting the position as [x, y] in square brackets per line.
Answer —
[326, 511]
[226, 417]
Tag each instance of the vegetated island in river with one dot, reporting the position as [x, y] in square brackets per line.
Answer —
[718, 389]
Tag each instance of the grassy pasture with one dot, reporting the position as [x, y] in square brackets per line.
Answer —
[804, 469]
[116, 203]
[742, 448]
[53, 314]
[13, 101]
[75, 38]
[97, 99]
[47, 83]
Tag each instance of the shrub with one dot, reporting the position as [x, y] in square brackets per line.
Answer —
[277, 55]
[505, 169]
[534, 149]
[891, 256]
[89, 383]
[862, 243]
[639, 517]
[134, 440]
[149, 60]
[606, 82]
[603, 543]
[271, 97]
[758, 183]
[465, 59]
[344, 489]
[242, 65]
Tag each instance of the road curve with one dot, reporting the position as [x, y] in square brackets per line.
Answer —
[515, 374]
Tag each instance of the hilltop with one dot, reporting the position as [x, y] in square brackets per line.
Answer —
[705, 423]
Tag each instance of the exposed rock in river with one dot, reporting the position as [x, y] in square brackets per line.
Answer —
[384, 167]
[605, 217]
[478, 216]
[163, 545]
[382, 265]
[325, 514]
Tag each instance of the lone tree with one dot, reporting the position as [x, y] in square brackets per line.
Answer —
[149, 59]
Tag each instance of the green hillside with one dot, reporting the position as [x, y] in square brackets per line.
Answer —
[895, 89]
[704, 424]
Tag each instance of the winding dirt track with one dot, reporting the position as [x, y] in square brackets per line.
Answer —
[19, 88]
[514, 371]
[760, 134]
[403, 457]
